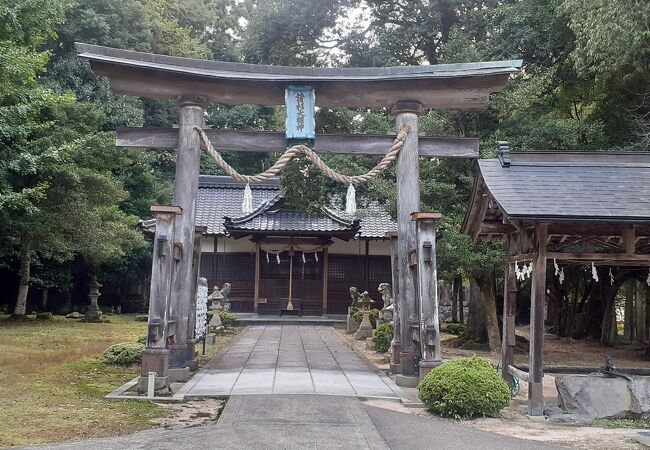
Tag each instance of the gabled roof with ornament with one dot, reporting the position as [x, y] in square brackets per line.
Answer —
[219, 209]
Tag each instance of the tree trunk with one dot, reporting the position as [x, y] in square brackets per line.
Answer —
[44, 294]
[640, 313]
[607, 296]
[25, 260]
[628, 327]
[476, 327]
[647, 299]
[461, 301]
[486, 283]
[646, 290]
[454, 299]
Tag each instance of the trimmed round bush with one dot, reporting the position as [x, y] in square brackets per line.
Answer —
[382, 337]
[227, 319]
[465, 388]
[124, 354]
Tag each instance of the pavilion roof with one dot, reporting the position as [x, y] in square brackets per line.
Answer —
[559, 187]
[463, 85]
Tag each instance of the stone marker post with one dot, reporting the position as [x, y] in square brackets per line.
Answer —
[186, 186]
[428, 291]
[408, 201]
[395, 366]
[192, 337]
[155, 357]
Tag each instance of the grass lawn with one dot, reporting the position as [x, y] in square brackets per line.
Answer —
[52, 380]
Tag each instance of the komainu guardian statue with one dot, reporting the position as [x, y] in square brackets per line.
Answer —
[388, 311]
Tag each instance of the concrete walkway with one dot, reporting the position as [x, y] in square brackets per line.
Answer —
[287, 422]
[290, 359]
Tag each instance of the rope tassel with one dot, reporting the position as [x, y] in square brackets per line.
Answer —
[351, 200]
[247, 203]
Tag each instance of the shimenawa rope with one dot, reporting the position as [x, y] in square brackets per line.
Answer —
[298, 150]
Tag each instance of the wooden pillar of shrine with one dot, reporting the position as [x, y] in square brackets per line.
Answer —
[258, 268]
[395, 344]
[155, 357]
[408, 201]
[186, 186]
[325, 277]
[508, 341]
[430, 351]
[538, 295]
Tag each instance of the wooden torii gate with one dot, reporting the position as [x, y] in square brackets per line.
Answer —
[194, 84]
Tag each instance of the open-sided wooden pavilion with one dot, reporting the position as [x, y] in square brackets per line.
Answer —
[567, 207]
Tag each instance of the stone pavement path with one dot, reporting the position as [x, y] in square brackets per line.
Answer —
[290, 359]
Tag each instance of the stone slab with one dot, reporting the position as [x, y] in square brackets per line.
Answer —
[406, 381]
[598, 397]
[291, 359]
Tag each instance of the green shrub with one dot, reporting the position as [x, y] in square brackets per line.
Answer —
[455, 328]
[227, 319]
[209, 316]
[374, 315]
[382, 337]
[465, 388]
[124, 354]
[142, 340]
[44, 316]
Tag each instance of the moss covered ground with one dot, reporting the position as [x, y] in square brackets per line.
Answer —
[53, 380]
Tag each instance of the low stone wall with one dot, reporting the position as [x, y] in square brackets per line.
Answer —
[594, 396]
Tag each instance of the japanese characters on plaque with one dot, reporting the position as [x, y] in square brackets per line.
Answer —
[300, 102]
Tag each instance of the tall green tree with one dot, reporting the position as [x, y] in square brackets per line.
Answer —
[58, 196]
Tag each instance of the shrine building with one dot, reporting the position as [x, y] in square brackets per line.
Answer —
[252, 251]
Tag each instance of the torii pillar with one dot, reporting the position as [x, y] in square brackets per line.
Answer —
[408, 201]
[186, 185]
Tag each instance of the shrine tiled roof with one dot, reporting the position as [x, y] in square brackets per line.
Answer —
[221, 197]
[586, 191]
[272, 216]
[598, 188]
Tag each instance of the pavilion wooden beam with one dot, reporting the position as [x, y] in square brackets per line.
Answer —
[629, 239]
[611, 258]
[266, 142]
[614, 259]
